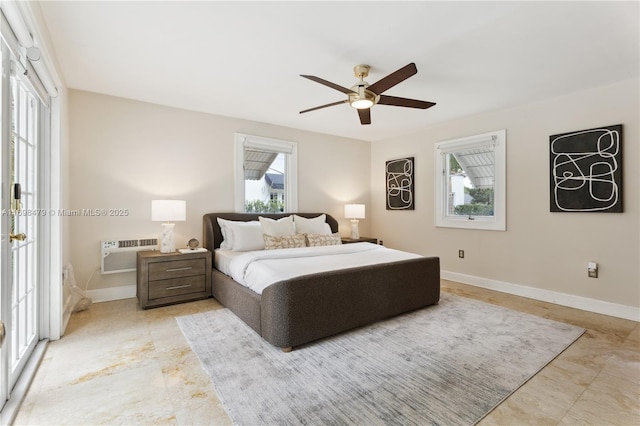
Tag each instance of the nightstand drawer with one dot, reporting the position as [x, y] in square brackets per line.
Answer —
[176, 269]
[176, 286]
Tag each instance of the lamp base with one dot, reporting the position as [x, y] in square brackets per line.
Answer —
[355, 233]
[167, 245]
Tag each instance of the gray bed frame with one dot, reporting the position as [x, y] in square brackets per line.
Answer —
[300, 310]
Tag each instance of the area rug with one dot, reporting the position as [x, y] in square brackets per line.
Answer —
[448, 364]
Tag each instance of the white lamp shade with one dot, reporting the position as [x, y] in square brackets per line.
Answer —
[354, 211]
[168, 210]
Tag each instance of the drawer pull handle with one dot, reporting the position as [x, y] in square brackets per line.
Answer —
[179, 269]
[175, 287]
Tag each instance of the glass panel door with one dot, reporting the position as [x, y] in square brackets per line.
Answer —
[19, 310]
[23, 230]
[4, 287]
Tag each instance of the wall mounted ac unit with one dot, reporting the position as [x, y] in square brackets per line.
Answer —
[120, 255]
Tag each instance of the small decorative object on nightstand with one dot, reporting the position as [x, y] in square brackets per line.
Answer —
[193, 245]
[165, 279]
[359, 240]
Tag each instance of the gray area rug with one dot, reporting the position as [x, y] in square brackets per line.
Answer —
[448, 364]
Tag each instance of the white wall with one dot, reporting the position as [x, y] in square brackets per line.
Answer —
[125, 153]
[541, 250]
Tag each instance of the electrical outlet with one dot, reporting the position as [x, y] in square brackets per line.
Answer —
[592, 270]
[461, 254]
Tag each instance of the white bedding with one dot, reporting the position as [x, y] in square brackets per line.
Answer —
[259, 269]
[222, 259]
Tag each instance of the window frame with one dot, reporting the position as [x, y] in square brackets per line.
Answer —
[497, 222]
[290, 149]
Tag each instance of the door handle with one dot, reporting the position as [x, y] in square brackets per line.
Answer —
[2, 333]
[19, 237]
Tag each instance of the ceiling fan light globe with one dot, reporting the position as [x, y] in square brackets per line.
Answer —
[361, 103]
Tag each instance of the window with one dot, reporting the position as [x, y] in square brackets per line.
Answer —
[471, 181]
[266, 175]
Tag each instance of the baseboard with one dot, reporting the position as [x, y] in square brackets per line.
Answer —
[572, 301]
[112, 293]
[578, 302]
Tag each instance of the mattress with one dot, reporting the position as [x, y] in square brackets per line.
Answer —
[222, 259]
[259, 269]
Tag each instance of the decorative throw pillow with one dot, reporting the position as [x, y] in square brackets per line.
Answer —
[317, 240]
[314, 225]
[277, 228]
[285, 241]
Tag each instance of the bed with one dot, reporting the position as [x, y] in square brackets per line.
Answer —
[299, 310]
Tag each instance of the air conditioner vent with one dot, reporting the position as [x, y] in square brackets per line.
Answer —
[128, 243]
[120, 255]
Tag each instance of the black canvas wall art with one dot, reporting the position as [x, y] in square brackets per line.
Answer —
[400, 184]
[586, 170]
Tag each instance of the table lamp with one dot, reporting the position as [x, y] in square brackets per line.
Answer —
[354, 212]
[168, 211]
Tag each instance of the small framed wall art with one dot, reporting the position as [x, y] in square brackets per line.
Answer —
[400, 184]
[586, 170]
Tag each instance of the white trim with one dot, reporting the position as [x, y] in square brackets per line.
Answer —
[572, 301]
[266, 144]
[269, 145]
[19, 391]
[21, 19]
[238, 161]
[5, 273]
[497, 222]
[586, 304]
[56, 323]
[112, 293]
[46, 281]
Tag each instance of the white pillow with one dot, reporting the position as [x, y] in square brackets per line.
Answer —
[315, 225]
[241, 236]
[227, 242]
[277, 228]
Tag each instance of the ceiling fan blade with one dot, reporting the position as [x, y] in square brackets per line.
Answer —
[404, 102]
[365, 116]
[394, 78]
[325, 106]
[328, 84]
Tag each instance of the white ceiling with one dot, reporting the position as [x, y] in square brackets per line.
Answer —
[243, 59]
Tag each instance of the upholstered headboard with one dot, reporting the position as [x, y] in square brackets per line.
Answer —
[212, 236]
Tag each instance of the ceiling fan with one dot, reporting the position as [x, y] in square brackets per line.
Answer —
[362, 96]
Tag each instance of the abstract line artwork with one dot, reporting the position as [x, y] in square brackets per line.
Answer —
[400, 184]
[586, 170]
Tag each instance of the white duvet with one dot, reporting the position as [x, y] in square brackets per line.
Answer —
[259, 269]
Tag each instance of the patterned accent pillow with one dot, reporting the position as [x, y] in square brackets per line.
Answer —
[316, 240]
[284, 241]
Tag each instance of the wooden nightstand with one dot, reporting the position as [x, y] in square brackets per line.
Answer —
[167, 278]
[360, 240]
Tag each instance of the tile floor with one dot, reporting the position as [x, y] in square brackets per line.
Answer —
[118, 364]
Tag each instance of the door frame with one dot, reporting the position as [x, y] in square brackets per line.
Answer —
[51, 179]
